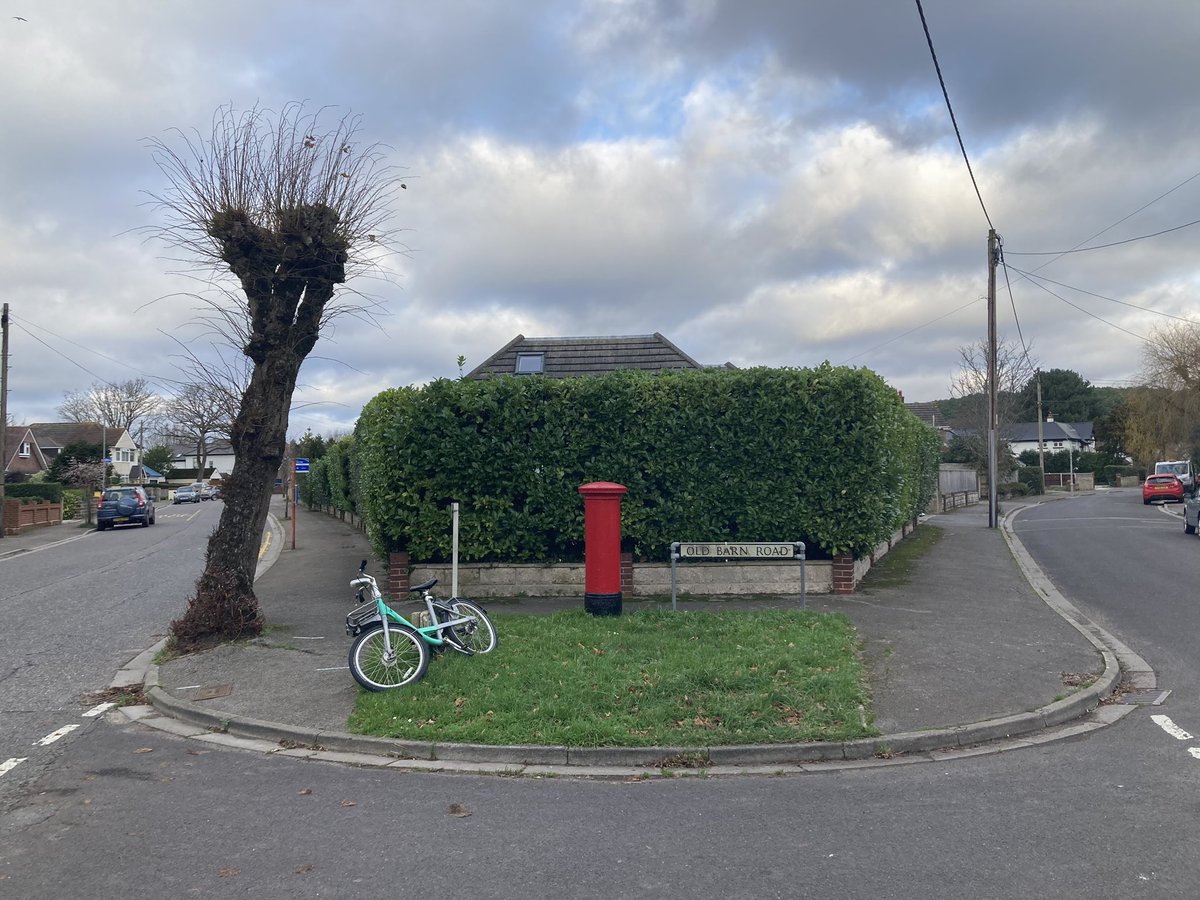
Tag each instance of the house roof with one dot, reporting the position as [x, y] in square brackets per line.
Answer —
[218, 447]
[14, 437]
[1051, 431]
[926, 412]
[564, 357]
[56, 435]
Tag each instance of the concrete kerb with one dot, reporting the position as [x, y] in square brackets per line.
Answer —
[604, 761]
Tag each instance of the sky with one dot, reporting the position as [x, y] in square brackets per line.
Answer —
[764, 183]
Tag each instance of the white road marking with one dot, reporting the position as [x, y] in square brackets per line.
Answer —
[1165, 723]
[98, 710]
[334, 669]
[55, 735]
[9, 764]
[319, 638]
[1195, 751]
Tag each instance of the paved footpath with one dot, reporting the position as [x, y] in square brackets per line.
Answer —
[968, 655]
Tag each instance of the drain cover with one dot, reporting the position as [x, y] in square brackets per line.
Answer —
[1145, 698]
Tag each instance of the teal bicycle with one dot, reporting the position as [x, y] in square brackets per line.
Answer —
[390, 651]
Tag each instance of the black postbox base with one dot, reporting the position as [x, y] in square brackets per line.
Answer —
[602, 604]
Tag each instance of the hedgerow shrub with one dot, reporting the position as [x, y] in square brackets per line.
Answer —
[829, 456]
[50, 491]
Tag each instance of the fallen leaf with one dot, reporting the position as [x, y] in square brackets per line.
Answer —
[459, 701]
[457, 809]
[349, 803]
[305, 869]
[144, 750]
[306, 792]
[229, 871]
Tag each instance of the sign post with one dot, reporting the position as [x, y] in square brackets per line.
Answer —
[763, 551]
[300, 464]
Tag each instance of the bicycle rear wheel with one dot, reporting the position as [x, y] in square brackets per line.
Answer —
[476, 636]
[377, 670]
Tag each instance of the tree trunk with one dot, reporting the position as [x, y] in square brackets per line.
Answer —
[225, 607]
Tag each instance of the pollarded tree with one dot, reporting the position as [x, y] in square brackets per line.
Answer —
[291, 212]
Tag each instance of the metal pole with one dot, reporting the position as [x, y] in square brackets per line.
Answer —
[674, 565]
[1041, 442]
[454, 549]
[993, 413]
[293, 491]
[800, 550]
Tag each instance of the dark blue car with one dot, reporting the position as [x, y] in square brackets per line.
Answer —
[124, 506]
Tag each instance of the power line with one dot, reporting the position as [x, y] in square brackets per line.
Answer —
[1144, 206]
[911, 330]
[950, 109]
[1105, 246]
[1140, 337]
[1035, 278]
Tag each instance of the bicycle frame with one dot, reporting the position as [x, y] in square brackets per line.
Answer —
[431, 633]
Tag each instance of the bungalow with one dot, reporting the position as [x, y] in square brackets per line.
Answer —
[218, 456]
[570, 356]
[1077, 437]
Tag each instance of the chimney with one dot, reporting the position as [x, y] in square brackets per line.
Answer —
[1049, 417]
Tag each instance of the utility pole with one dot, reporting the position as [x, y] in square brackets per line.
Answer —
[993, 413]
[1041, 442]
[3, 408]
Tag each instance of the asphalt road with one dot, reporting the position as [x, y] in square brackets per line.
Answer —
[127, 812]
[75, 612]
[1131, 568]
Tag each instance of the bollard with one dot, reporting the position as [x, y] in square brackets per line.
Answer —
[602, 547]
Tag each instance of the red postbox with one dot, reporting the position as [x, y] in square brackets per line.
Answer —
[602, 547]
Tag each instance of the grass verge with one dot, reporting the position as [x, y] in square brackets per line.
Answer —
[648, 678]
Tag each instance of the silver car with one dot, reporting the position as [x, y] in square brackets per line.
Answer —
[187, 494]
[1191, 514]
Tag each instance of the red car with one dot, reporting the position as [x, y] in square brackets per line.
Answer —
[1162, 487]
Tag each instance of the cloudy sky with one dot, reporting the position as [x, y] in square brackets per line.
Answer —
[764, 182]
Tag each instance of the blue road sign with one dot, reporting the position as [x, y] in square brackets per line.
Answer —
[301, 465]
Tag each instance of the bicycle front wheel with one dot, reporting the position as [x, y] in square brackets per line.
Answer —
[378, 670]
[478, 635]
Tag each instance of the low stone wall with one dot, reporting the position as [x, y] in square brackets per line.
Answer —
[697, 579]
[20, 515]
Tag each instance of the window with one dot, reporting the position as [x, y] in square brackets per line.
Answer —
[25, 450]
[531, 363]
[1058, 443]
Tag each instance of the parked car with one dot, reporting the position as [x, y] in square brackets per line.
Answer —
[1191, 514]
[208, 492]
[1162, 488]
[186, 494]
[124, 506]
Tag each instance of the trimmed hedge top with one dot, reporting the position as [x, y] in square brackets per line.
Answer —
[829, 456]
[51, 491]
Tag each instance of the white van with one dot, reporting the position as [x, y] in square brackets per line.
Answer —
[1182, 468]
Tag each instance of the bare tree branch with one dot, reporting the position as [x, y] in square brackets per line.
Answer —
[290, 212]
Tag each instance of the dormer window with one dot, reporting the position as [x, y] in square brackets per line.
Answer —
[531, 363]
[25, 450]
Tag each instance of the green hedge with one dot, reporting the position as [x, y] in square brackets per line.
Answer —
[35, 490]
[327, 483]
[829, 456]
